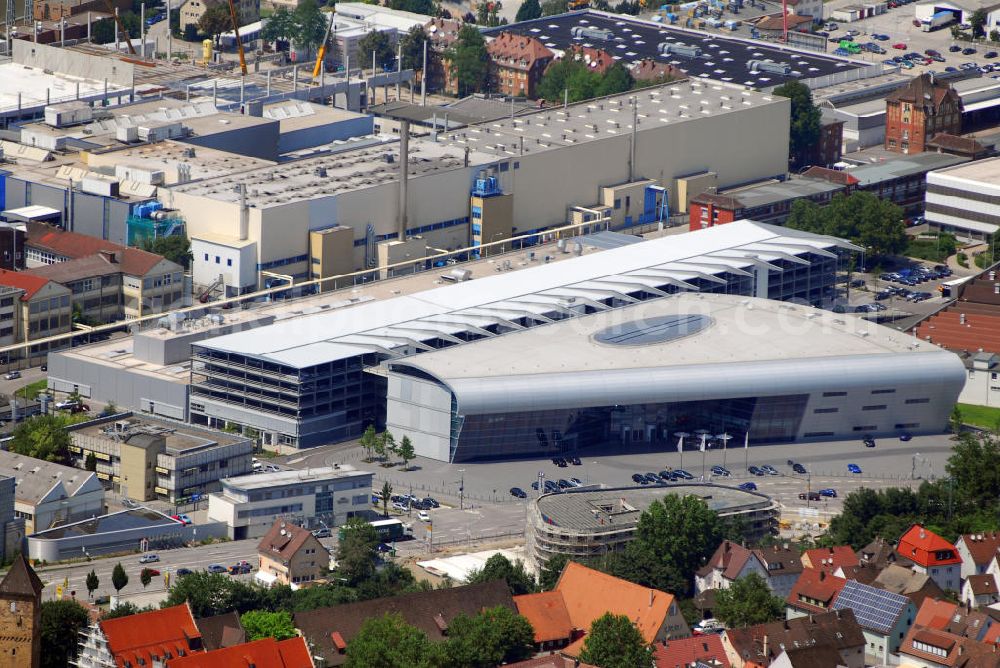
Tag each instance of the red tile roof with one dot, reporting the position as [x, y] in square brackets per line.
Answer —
[30, 284]
[982, 584]
[815, 591]
[72, 245]
[550, 661]
[840, 176]
[548, 615]
[926, 548]
[283, 540]
[729, 557]
[517, 51]
[264, 653]
[152, 634]
[647, 69]
[686, 651]
[597, 60]
[982, 547]
[829, 559]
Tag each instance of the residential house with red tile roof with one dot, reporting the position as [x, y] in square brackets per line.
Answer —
[139, 640]
[729, 562]
[263, 653]
[933, 555]
[977, 551]
[290, 555]
[649, 69]
[550, 661]
[683, 652]
[814, 592]
[328, 630]
[596, 60]
[880, 553]
[930, 648]
[782, 567]
[913, 585]
[820, 655]
[587, 594]
[109, 282]
[550, 619]
[829, 559]
[758, 646]
[980, 591]
[517, 63]
[954, 618]
[39, 308]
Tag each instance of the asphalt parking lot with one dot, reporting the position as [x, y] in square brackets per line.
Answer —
[483, 484]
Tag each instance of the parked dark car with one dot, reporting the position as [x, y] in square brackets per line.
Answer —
[753, 470]
[812, 496]
[798, 468]
[639, 478]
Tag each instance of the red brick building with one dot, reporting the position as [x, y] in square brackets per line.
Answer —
[919, 111]
[518, 63]
[648, 69]
[597, 60]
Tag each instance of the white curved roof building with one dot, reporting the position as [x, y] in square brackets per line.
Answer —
[779, 372]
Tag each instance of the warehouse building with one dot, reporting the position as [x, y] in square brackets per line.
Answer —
[323, 496]
[758, 369]
[262, 219]
[305, 381]
[962, 200]
[586, 524]
[46, 493]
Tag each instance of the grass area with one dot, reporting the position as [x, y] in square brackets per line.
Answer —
[933, 249]
[984, 259]
[980, 416]
[31, 390]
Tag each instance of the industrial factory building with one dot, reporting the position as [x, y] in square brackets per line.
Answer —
[309, 380]
[761, 370]
[350, 208]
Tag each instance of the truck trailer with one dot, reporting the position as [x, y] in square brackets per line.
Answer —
[939, 20]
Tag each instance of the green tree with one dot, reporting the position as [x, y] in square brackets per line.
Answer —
[378, 42]
[673, 539]
[406, 451]
[805, 120]
[488, 13]
[416, 6]
[493, 637]
[263, 624]
[356, 551]
[616, 80]
[103, 31]
[977, 21]
[90, 462]
[553, 7]
[211, 594]
[125, 609]
[388, 642]
[61, 623]
[176, 248]
[747, 602]
[569, 76]
[42, 437]
[380, 449]
[368, 441]
[145, 577]
[499, 567]
[215, 21]
[469, 61]
[615, 642]
[310, 25]
[93, 582]
[386, 496]
[995, 35]
[955, 420]
[280, 26]
[109, 409]
[862, 217]
[411, 47]
[551, 571]
[118, 578]
[389, 442]
[973, 466]
[529, 9]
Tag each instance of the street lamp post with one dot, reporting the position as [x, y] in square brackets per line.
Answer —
[461, 490]
[724, 437]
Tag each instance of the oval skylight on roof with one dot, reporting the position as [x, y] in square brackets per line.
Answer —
[654, 330]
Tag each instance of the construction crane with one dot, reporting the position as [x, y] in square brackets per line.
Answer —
[239, 42]
[322, 48]
[121, 26]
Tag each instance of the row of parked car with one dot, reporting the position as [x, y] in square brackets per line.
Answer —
[917, 275]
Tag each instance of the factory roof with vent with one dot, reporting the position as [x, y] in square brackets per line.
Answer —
[291, 477]
[722, 58]
[179, 438]
[343, 166]
[35, 479]
[506, 298]
[656, 107]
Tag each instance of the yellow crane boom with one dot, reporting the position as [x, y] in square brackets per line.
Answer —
[322, 49]
[239, 42]
[121, 26]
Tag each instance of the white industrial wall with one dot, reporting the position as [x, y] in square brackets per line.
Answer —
[420, 410]
[241, 273]
[982, 388]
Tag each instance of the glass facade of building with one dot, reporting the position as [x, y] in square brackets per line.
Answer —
[559, 432]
